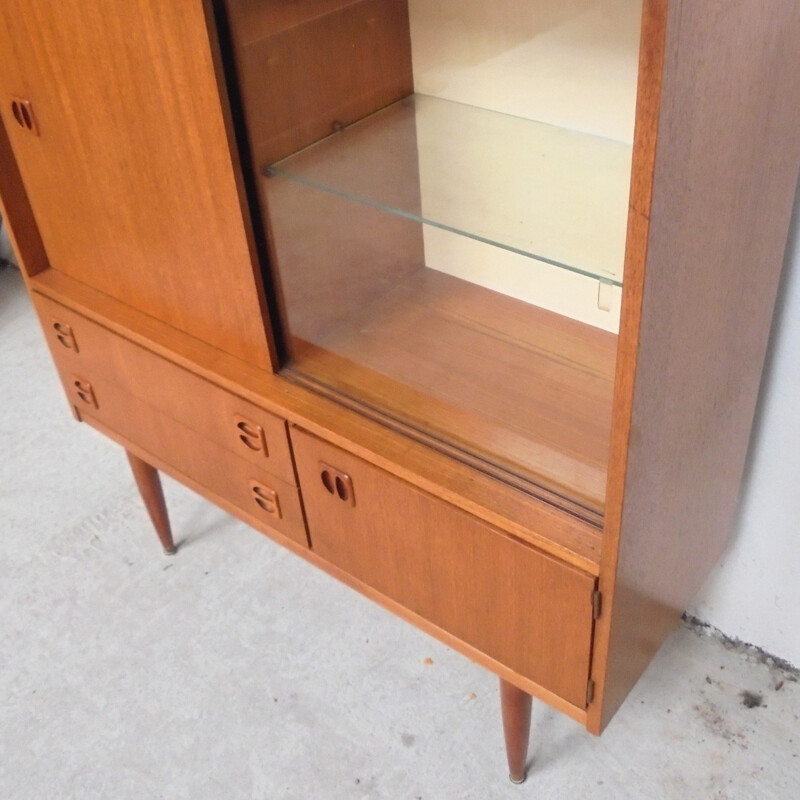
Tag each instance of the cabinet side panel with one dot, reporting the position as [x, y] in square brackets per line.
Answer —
[17, 214]
[726, 168]
[130, 176]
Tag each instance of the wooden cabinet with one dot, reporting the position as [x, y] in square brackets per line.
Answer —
[466, 306]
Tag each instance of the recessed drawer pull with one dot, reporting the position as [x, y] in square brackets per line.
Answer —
[23, 114]
[251, 435]
[65, 335]
[337, 483]
[84, 391]
[266, 499]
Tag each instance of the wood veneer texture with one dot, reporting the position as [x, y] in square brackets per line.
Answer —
[577, 713]
[131, 179]
[527, 610]
[711, 206]
[433, 350]
[308, 70]
[195, 403]
[716, 159]
[545, 526]
[217, 468]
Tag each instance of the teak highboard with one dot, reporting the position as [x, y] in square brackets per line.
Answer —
[467, 304]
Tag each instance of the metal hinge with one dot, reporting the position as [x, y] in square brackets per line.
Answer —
[597, 604]
[589, 692]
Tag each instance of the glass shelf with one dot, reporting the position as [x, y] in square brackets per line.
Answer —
[551, 194]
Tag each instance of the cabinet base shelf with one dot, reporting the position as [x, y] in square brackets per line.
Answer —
[425, 357]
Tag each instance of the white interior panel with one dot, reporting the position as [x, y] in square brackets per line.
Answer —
[534, 282]
[571, 64]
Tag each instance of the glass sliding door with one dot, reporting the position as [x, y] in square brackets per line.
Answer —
[445, 190]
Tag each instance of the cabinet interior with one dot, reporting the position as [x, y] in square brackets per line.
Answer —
[445, 191]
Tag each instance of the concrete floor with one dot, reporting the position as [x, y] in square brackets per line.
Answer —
[235, 670]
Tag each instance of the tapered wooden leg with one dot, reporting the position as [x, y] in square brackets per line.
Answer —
[149, 484]
[516, 706]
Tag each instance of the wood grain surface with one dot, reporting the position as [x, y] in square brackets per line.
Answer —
[133, 199]
[149, 484]
[306, 68]
[520, 392]
[549, 528]
[575, 712]
[131, 179]
[195, 403]
[516, 709]
[252, 20]
[518, 606]
[715, 173]
[216, 468]
[333, 257]
[17, 214]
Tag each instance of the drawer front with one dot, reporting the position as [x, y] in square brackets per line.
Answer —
[214, 413]
[265, 499]
[518, 606]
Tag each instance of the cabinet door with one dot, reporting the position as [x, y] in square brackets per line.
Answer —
[512, 603]
[128, 169]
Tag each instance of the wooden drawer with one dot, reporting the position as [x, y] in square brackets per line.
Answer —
[212, 412]
[516, 605]
[264, 499]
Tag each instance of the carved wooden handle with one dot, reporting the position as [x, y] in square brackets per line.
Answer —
[265, 498]
[251, 435]
[337, 483]
[84, 391]
[65, 335]
[22, 111]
